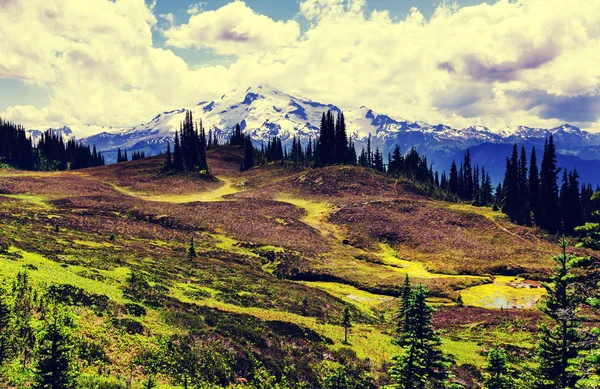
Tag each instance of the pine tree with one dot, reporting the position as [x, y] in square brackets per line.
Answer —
[341, 141]
[534, 187]
[497, 374]
[248, 162]
[346, 322]
[422, 364]
[558, 342]
[511, 187]
[55, 368]
[191, 252]
[524, 210]
[5, 316]
[590, 231]
[405, 299]
[337, 380]
[177, 157]
[168, 160]
[453, 181]
[549, 201]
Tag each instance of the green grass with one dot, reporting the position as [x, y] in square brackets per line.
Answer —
[31, 199]
[505, 292]
[49, 272]
[360, 298]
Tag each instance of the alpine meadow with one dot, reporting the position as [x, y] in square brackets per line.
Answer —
[299, 194]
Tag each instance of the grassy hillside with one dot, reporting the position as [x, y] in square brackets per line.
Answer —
[280, 253]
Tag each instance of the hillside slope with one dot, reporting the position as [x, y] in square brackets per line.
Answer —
[281, 252]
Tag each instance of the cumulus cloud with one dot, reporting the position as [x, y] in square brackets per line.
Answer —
[98, 61]
[233, 30]
[524, 62]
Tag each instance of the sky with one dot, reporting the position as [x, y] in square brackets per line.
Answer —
[496, 63]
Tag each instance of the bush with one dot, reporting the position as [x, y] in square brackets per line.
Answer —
[132, 327]
[73, 295]
[135, 309]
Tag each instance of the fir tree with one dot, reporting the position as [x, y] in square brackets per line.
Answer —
[405, 299]
[524, 211]
[497, 375]
[248, 162]
[55, 368]
[346, 322]
[549, 202]
[5, 318]
[511, 187]
[422, 364]
[168, 159]
[191, 251]
[590, 231]
[453, 181]
[558, 342]
[534, 187]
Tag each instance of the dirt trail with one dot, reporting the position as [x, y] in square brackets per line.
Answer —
[228, 188]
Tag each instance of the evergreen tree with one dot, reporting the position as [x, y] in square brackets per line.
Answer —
[534, 187]
[497, 375]
[248, 162]
[510, 186]
[405, 299]
[177, 157]
[55, 368]
[5, 318]
[422, 365]
[523, 179]
[550, 214]
[191, 251]
[168, 159]
[337, 380]
[590, 231]
[453, 181]
[346, 322]
[558, 342]
[467, 192]
[341, 141]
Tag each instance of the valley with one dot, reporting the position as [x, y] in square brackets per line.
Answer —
[280, 252]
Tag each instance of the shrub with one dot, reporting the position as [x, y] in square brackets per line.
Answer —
[135, 309]
[73, 295]
[132, 327]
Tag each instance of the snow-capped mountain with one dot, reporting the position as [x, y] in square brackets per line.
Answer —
[265, 112]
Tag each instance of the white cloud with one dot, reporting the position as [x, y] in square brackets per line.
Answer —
[98, 60]
[169, 18]
[234, 29]
[530, 62]
[196, 8]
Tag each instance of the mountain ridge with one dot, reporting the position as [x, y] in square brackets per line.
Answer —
[264, 112]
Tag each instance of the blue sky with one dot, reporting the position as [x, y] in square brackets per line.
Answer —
[497, 63]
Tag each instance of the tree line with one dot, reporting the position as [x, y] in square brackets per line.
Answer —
[50, 153]
[189, 147]
[529, 195]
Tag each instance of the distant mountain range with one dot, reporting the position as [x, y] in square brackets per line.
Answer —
[264, 112]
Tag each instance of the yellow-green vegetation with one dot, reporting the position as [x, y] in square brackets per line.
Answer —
[362, 299]
[505, 292]
[414, 269]
[44, 271]
[317, 214]
[32, 199]
[464, 352]
[218, 194]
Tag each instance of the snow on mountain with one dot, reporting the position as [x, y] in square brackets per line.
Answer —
[265, 112]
